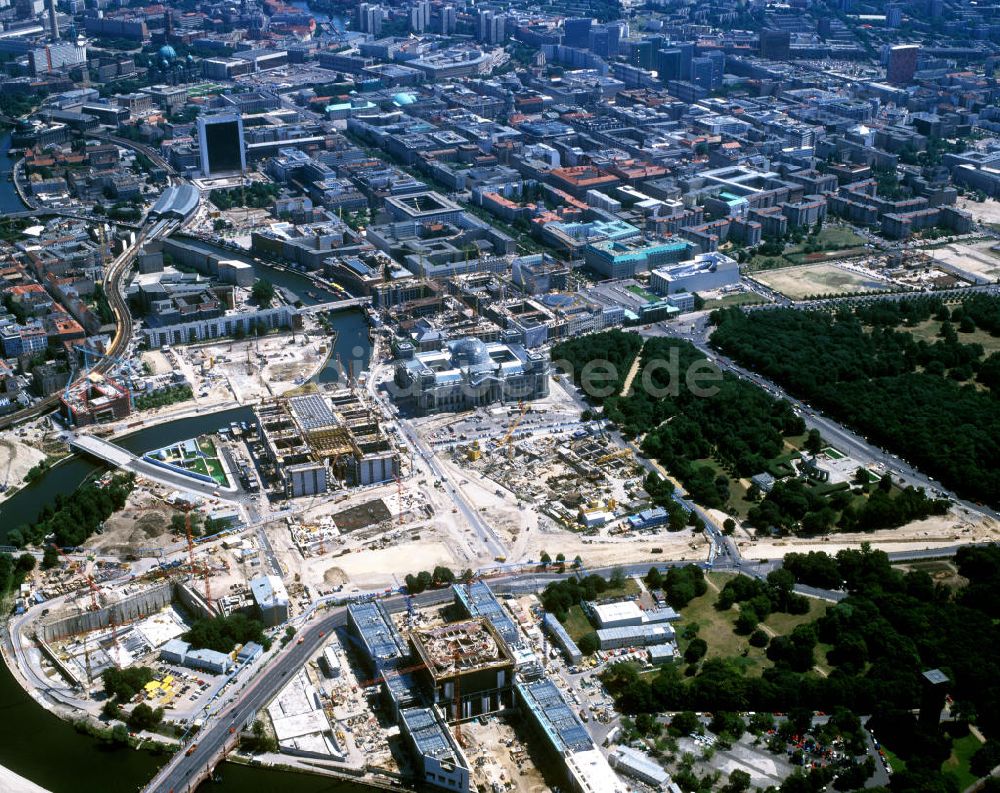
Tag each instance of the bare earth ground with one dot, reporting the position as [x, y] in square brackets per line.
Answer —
[387, 567]
[937, 532]
[986, 212]
[814, 279]
[500, 758]
[975, 258]
[16, 458]
[144, 522]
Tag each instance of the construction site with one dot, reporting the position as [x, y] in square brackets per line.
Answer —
[315, 443]
[470, 697]
[469, 666]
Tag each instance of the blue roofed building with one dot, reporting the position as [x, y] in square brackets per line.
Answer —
[625, 258]
[440, 759]
[648, 518]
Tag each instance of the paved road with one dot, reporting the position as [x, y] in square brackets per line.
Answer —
[483, 530]
[842, 438]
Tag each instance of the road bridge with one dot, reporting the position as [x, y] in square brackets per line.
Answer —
[336, 305]
[125, 460]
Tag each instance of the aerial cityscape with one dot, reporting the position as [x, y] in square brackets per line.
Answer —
[441, 395]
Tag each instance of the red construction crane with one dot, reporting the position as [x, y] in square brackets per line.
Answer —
[87, 577]
[95, 606]
[404, 671]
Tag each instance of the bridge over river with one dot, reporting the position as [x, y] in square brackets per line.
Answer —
[127, 461]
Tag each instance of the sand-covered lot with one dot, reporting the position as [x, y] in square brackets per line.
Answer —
[978, 259]
[16, 459]
[799, 283]
[986, 212]
[937, 532]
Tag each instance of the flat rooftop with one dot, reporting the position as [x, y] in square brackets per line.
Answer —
[478, 599]
[555, 716]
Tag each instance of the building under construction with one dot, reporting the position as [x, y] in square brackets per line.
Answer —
[468, 663]
[317, 441]
[94, 400]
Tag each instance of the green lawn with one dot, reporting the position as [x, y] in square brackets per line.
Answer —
[577, 625]
[929, 329]
[216, 471]
[635, 289]
[834, 242]
[735, 299]
[783, 624]
[962, 750]
[716, 628]
[630, 588]
[895, 763]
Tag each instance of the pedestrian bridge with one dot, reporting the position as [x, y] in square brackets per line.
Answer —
[125, 460]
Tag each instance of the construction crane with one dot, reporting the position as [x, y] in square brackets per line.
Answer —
[190, 542]
[508, 439]
[391, 672]
[87, 577]
[95, 605]
[87, 355]
[612, 456]
[399, 495]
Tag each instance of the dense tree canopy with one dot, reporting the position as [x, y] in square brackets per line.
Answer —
[911, 396]
[73, 520]
[585, 359]
[224, 633]
[125, 683]
[687, 411]
[891, 627]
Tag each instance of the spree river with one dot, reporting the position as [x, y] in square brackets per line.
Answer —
[51, 752]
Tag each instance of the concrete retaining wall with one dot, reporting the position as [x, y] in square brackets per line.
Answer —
[193, 602]
[128, 610]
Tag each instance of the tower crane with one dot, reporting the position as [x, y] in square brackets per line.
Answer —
[190, 543]
[95, 605]
[508, 439]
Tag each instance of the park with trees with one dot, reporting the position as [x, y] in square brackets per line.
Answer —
[893, 625]
[71, 520]
[870, 370]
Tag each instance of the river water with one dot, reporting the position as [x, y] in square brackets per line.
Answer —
[10, 201]
[51, 752]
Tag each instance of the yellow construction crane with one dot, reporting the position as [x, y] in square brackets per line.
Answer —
[508, 439]
[613, 456]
